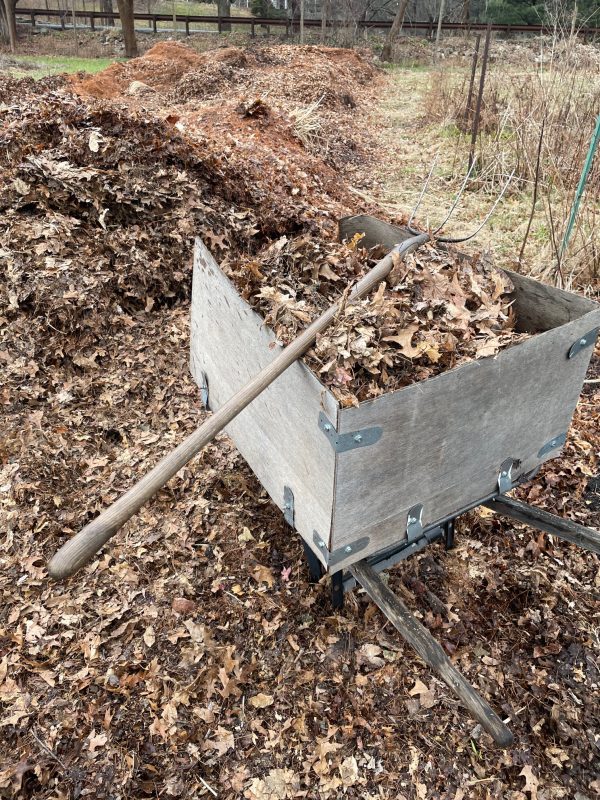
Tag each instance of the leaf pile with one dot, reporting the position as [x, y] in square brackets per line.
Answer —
[192, 658]
[436, 310]
[320, 86]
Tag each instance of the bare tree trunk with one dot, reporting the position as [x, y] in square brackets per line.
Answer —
[439, 25]
[8, 23]
[107, 5]
[301, 21]
[324, 15]
[224, 10]
[466, 11]
[386, 53]
[127, 25]
[74, 18]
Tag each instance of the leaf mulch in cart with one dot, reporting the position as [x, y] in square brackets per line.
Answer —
[435, 311]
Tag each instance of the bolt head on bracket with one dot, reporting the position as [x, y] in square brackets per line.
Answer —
[341, 442]
[587, 340]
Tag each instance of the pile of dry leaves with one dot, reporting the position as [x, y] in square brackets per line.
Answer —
[311, 91]
[192, 659]
[436, 311]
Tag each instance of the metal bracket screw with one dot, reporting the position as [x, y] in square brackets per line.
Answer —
[341, 442]
[585, 341]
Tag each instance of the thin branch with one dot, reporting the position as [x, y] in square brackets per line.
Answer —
[51, 753]
[535, 189]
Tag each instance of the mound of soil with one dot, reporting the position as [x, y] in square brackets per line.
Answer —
[302, 74]
[160, 67]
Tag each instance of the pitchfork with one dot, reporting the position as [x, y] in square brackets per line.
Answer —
[75, 553]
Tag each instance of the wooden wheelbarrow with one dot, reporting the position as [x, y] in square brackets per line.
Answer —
[367, 487]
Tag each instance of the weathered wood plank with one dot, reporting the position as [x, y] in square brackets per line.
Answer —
[444, 439]
[539, 307]
[421, 640]
[278, 434]
[538, 518]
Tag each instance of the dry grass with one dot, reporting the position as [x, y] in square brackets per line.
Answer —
[555, 99]
[307, 123]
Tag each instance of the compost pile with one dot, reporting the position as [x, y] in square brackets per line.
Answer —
[315, 89]
[436, 311]
[191, 658]
[303, 74]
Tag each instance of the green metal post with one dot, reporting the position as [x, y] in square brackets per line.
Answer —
[581, 186]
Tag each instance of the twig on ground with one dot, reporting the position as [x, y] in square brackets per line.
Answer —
[210, 789]
[50, 752]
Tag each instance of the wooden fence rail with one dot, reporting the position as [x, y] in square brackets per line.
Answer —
[65, 18]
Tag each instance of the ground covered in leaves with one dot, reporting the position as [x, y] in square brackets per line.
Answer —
[192, 658]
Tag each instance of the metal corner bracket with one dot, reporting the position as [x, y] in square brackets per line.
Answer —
[341, 442]
[288, 506]
[505, 476]
[204, 389]
[414, 523]
[342, 553]
[587, 340]
[553, 444]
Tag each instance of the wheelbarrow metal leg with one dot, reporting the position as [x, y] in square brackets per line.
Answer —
[315, 568]
[430, 651]
[337, 590]
[587, 538]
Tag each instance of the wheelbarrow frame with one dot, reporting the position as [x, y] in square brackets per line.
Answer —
[296, 438]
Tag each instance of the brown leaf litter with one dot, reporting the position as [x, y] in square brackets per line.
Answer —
[436, 311]
[192, 658]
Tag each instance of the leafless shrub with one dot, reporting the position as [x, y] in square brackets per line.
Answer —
[561, 94]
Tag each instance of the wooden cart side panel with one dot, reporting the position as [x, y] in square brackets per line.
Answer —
[539, 307]
[277, 433]
[444, 439]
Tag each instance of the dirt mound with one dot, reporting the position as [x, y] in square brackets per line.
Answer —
[299, 74]
[160, 67]
[207, 82]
